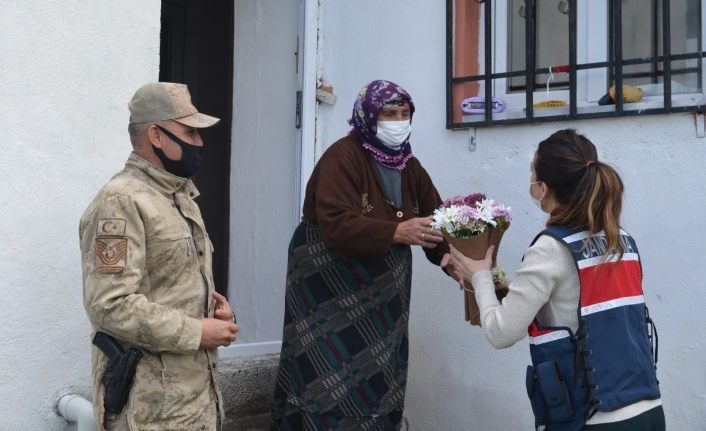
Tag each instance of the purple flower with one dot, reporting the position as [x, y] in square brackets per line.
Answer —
[473, 198]
[504, 213]
[455, 200]
[469, 216]
[466, 214]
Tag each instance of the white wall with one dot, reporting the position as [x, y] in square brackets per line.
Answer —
[264, 201]
[457, 380]
[68, 69]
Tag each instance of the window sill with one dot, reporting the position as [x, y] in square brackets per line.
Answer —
[648, 103]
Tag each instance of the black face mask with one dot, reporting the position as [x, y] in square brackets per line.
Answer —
[191, 157]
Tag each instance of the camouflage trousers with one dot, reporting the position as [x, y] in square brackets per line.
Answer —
[115, 422]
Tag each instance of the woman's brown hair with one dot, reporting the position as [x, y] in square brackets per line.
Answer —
[589, 192]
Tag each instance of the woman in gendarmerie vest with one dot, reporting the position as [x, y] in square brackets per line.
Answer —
[579, 290]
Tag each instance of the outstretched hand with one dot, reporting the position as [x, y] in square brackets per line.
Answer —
[466, 266]
[451, 269]
[417, 231]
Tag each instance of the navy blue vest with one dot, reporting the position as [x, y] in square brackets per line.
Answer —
[608, 363]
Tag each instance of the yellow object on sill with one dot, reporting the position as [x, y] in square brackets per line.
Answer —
[630, 94]
[551, 103]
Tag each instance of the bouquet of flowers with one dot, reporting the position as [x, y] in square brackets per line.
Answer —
[472, 224]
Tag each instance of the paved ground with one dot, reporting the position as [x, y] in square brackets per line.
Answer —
[249, 423]
[262, 422]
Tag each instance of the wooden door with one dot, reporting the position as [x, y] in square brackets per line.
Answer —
[197, 49]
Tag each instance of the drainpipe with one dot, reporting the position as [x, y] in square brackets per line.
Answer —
[75, 408]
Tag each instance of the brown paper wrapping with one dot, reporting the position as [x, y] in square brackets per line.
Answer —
[475, 248]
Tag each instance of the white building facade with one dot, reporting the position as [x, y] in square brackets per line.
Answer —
[67, 71]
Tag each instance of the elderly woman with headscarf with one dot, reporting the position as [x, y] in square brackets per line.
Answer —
[343, 364]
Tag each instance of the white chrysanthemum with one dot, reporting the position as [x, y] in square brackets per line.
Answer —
[446, 219]
[485, 211]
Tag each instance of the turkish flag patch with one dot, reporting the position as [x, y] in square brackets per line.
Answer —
[110, 227]
[111, 246]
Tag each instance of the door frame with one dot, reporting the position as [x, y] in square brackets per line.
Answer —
[308, 49]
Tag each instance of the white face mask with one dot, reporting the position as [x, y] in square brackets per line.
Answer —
[536, 201]
[393, 133]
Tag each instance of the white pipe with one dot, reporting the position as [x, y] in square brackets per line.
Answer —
[75, 408]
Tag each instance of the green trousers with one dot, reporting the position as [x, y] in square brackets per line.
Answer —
[651, 420]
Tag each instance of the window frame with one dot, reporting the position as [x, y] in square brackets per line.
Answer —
[588, 29]
[591, 62]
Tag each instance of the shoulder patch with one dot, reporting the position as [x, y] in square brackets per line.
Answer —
[111, 254]
[111, 227]
[111, 245]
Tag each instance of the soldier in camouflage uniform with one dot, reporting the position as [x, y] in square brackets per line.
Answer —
[147, 277]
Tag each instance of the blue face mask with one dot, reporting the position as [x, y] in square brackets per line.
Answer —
[191, 157]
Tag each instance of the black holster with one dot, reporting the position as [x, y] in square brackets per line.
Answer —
[119, 375]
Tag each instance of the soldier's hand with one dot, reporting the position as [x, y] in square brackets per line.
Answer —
[216, 333]
[223, 311]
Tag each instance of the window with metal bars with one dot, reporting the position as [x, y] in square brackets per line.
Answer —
[549, 60]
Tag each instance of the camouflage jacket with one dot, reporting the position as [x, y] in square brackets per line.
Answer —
[147, 281]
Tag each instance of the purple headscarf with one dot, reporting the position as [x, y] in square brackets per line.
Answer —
[370, 100]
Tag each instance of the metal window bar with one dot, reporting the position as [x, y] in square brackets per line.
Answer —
[666, 51]
[597, 65]
[449, 63]
[614, 65]
[488, 54]
[573, 110]
[530, 73]
[699, 75]
[617, 9]
[655, 39]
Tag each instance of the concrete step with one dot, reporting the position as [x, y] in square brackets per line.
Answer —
[248, 385]
[259, 422]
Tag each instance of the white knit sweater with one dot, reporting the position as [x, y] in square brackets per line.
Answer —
[546, 287]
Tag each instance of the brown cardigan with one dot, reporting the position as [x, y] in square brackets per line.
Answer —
[345, 199]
